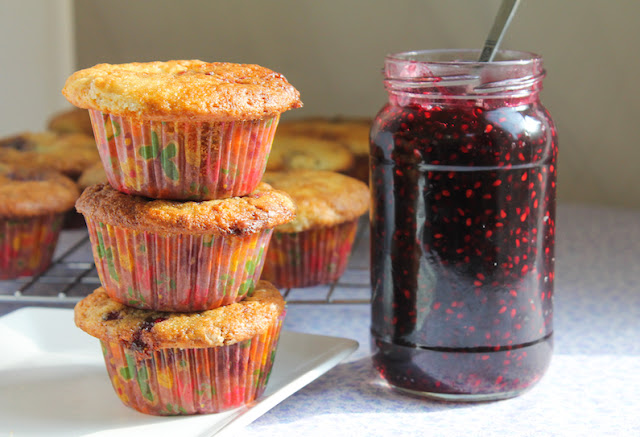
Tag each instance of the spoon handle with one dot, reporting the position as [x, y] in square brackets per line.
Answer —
[503, 18]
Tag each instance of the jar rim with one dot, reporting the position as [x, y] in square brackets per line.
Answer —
[457, 73]
[467, 57]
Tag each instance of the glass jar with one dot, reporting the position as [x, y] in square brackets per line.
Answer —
[463, 187]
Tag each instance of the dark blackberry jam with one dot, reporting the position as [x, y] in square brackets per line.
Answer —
[463, 183]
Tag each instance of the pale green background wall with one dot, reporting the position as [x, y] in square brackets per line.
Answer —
[332, 51]
[36, 55]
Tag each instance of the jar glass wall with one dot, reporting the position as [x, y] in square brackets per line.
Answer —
[463, 185]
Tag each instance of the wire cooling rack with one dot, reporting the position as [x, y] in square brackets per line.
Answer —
[72, 276]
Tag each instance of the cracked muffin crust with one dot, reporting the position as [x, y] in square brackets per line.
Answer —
[144, 330]
[262, 209]
[353, 132]
[71, 121]
[93, 175]
[323, 198]
[182, 89]
[69, 153]
[29, 192]
[293, 152]
[349, 132]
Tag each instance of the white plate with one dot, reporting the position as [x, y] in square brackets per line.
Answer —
[53, 382]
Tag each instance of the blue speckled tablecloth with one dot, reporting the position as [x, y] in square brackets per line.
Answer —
[591, 388]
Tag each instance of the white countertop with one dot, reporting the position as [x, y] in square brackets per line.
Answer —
[591, 388]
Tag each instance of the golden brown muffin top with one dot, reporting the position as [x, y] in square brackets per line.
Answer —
[323, 198]
[264, 208]
[69, 154]
[29, 193]
[298, 152]
[352, 132]
[93, 175]
[71, 121]
[182, 90]
[147, 330]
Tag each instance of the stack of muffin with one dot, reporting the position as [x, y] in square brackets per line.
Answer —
[179, 232]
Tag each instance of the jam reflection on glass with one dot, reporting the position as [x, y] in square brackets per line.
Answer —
[462, 235]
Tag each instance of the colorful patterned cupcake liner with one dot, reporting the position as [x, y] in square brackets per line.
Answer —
[308, 258]
[176, 272]
[183, 160]
[192, 381]
[27, 244]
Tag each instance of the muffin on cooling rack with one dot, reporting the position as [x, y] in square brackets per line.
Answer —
[93, 175]
[168, 363]
[314, 248]
[350, 132]
[70, 154]
[32, 208]
[71, 121]
[183, 130]
[181, 256]
[294, 152]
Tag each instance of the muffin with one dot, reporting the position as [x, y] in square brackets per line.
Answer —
[69, 154]
[183, 130]
[314, 248]
[75, 120]
[292, 152]
[32, 208]
[93, 175]
[168, 363]
[351, 132]
[181, 256]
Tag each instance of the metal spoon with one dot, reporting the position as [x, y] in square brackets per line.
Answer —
[503, 18]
